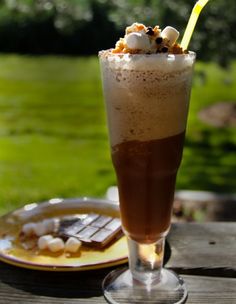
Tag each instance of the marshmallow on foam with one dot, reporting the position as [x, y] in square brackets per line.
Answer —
[137, 41]
[171, 34]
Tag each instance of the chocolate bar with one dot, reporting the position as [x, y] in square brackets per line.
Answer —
[91, 229]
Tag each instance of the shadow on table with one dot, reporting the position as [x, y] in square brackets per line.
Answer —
[84, 284]
[78, 284]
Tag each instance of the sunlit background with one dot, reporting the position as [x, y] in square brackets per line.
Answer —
[53, 136]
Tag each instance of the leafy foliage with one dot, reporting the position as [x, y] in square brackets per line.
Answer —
[53, 134]
[85, 26]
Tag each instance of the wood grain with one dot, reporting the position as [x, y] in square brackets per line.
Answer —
[203, 249]
[210, 290]
[49, 288]
[196, 249]
[28, 286]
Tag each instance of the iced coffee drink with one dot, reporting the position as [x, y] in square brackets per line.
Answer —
[147, 82]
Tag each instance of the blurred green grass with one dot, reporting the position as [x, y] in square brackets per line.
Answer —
[53, 136]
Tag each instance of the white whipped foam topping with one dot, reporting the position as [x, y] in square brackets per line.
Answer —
[146, 96]
[162, 63]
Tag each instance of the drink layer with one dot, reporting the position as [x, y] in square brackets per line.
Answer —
[146, 96]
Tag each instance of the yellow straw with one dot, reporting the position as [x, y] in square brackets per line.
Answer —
[192, 22]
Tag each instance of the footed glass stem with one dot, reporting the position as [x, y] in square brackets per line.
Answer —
[145, 281]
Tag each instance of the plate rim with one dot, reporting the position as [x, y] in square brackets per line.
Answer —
[12, 260]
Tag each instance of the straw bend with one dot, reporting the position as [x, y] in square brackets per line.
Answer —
[192, 22]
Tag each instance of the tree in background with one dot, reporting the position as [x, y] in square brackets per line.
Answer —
[86, 26]
[214, 37]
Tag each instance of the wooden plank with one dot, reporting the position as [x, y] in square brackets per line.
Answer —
[207, 290]
[19, 285]
[203, 248]
[27, 286]
[200, 249]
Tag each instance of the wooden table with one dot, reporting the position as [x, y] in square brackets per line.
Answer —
[205, 255]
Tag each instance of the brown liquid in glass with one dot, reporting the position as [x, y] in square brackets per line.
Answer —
[146, 174]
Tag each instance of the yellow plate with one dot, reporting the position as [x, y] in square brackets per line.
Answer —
[12, 251]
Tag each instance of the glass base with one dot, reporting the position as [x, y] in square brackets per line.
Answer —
[120, 287]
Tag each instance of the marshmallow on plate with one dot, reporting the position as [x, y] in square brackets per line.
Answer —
[43, 241]
[28, 229]
[50, 224]
[40, 229]
[72, 245]
[56, 245]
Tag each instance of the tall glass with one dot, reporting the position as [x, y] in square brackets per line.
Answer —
[147, 100]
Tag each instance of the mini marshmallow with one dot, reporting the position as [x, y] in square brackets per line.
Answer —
[72, 245]
[137, 41]
[40, 229]
[28, 229]
[56, 245]
[43, 241]
[50, 225]
[171, 34]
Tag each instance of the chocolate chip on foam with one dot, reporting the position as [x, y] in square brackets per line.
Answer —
[159, 40]
[164, 49]
[150, 31]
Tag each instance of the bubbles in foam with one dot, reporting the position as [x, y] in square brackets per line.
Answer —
[146, 95]
[139, 62]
